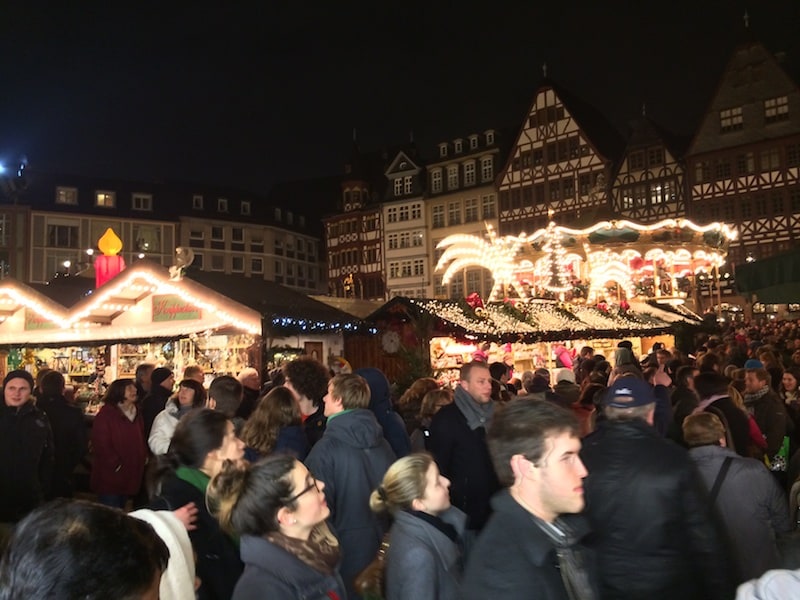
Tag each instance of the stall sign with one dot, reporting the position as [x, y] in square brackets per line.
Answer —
[34, 321]
[171, 307]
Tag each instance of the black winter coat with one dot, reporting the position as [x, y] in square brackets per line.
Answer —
[71, 440]
[152, 404]
[650, 517]
[463, 457]
[26, 471]
[218, 564]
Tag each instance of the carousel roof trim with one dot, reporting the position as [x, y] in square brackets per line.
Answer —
[727, 231]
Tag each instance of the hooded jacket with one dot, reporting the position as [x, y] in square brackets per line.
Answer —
[351, 459]
[271, 571]
[380, 403]
[423, 562]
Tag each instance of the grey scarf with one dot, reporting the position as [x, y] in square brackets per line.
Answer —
[477, 414]
[571, 562]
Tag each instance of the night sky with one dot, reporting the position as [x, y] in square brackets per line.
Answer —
[251, 96]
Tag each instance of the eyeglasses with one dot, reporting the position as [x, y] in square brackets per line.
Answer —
[311, 486]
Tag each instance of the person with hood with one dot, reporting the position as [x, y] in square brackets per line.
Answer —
[380, 403]
[351, 458]
[162, 380]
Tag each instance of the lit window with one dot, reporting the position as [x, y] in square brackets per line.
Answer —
[142, 202]
[66, 195]
[436, 181]
[471, 210]
[731, 119]
[222, 204]
[197, 202]
[487, 168]
[105, 199]
[776, 109]
[452, 177]
[437, 213]
[245, 208]
[469, 173]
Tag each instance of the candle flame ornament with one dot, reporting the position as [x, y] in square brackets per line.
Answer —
[110, 264]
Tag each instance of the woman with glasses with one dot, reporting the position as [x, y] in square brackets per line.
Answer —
[203, 441]
[278, 509]
[424, 556]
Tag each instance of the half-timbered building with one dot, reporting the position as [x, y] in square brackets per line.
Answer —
[560, 166]
[743, 164]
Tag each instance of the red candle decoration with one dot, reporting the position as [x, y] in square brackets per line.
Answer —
[110, 264]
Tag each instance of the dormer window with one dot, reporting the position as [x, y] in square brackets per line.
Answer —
[458, 146]
[489, 137]
[245, 208]
[222, 204]
[105, 199]
[197, 202]
[473, 142]
[442, 150]
[66, 195]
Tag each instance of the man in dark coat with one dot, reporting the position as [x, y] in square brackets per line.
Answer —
[712, 390]
[70, 433]
[251, 392]
[530, 549]
[647, 507]
[307, 378]
[351, 458]
[458, 443]
[162, 381]
[26, 445]
[767, 408]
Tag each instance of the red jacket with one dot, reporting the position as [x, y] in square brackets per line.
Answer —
[119, 452]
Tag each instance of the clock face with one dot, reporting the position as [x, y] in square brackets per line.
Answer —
[390, 342]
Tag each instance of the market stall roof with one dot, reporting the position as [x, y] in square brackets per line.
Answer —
[535, 320]
[352, 306]
[285, 311]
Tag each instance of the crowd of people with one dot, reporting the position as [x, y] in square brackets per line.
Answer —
[669, 475]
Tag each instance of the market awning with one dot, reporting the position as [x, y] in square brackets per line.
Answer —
[773, 280]
[535, 320]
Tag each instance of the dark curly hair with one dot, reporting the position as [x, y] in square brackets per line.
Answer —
[308, 377]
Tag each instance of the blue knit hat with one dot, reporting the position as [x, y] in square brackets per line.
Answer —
[753, 363]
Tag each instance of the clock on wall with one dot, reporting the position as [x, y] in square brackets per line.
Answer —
[390, 341]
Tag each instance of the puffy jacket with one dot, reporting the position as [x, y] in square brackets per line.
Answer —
[649, 513]
[352, 458]
[272, 572]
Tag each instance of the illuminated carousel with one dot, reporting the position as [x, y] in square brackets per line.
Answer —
[563, 288]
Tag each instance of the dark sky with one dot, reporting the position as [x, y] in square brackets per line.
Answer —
[251, 96]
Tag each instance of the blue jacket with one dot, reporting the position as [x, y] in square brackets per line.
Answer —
[351, 459]
[272, 572]
[380, 402]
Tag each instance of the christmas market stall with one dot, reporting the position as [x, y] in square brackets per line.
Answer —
[148, 313]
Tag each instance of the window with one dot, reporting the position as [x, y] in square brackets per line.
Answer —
[256, 265]
[392, 215]
[458, 146]
[436, 181]
[398, 186]
[777, 204]
[222, 206]
[419, 267]
[776, 109]
[469, 173]
[217, 233]
[198, 261]
[404, 210]
[237, 235]
[770, 159]
[277, 214]
[279, 247]
[437, 216]
[793, 155]
[636, 161]
[489, 138]
[393, 243]
[405, 239]
[62, 236]
[722, 169]
[487, 168]
[568, 185]
[655, 157]
[555, 190]
[278, 267]
[538, 156]
[417, 238]
[452, 177]
[730, 119]
[217, 262]
[196, 234]
[454, 213]
[416, 210]
[584, 184]
[256, 244]
[237, 264]
[442, 150]
[197, 202]
[65, 195]
[245, 208]
[394, 270]
[489, 206]
[473, 142]
[105, 199]
[745, 164]
[147, 238]
[301, 221]
[471, 210]
[142, 202]
[405, 268]
[289, 217]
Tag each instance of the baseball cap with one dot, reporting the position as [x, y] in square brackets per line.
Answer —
[629, 392]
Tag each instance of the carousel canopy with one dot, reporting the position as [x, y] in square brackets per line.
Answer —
[536, 320]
